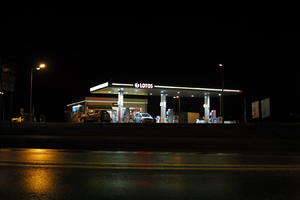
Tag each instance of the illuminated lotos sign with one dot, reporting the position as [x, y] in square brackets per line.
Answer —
[143, 85]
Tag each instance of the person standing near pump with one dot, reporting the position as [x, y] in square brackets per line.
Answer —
[126, 115]
[157, 119]
[130, 116]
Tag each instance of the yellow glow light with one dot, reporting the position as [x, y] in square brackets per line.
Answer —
[42, 66]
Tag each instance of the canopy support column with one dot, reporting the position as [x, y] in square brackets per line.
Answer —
[163, 107]
[206, 107]
[120, 104]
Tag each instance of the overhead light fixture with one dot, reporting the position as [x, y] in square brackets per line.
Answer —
[103, 85]
[122, 84]
[197, 89]
[77, 106]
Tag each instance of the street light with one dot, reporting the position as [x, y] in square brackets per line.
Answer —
[42, 66]
[222, 94]
[39, 67]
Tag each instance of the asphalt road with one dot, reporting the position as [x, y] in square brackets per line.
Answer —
[46, 174]
[153, 137]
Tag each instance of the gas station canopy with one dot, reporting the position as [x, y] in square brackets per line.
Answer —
[150, 89]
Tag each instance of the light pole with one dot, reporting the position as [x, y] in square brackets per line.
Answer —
[41, 66]
[1, 105]
[222, 94]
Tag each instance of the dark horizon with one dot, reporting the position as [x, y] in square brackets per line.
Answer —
[260, 55]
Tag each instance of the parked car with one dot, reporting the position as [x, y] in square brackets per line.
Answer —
[143, 118]
[17, 119]
[97, 116]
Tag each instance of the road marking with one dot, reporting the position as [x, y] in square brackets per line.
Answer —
[200, 167]
[154, 164]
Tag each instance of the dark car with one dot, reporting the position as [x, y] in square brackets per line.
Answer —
[104, 116]
[97, 116]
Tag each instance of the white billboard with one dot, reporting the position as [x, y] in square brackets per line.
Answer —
[265, 108]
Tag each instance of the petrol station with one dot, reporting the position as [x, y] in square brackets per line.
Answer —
[119, 105]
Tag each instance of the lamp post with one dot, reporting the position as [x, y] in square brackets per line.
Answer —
[222, 94]
[41, 66]
[1, 105]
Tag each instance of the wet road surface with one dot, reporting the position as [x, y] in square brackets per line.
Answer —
[78, 174]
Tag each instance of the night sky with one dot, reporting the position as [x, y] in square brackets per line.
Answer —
[260, 55]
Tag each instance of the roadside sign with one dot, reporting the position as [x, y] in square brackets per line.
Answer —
[265, 108]
[255, 110]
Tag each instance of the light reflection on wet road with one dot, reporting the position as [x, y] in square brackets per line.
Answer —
[71, 174]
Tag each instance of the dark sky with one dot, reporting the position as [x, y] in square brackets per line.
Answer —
[260, 54]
